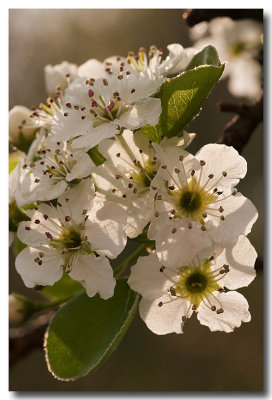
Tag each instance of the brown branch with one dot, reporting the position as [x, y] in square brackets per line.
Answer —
[193, 17]
[259, 264]
[25, 339]
[239, 130]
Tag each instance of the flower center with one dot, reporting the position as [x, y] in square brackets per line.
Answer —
[70, 243]
[196, 282]
[190, 201]
[145, 177]
[53, 164]
[104, 110]
[70, 239]
[140, 62]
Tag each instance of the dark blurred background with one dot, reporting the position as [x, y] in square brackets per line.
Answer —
[198, 360]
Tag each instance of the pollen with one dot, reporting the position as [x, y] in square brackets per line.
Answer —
[197, 283]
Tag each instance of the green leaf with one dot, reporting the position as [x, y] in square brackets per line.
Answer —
[23, 142]
[96, 156]
[63, 289]
[182, 98]
[13, 160]
[151, 133]
[142, 237]
[207, 56]
[16, 216]
[85, 331]
[17, 245]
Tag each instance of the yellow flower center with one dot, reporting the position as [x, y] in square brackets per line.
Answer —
[145, 177]
[196, 283]
[192, 201]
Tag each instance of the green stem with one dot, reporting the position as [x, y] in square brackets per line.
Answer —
[123, 265]
[40, 306]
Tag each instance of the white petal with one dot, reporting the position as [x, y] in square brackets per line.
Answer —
[16, 115]
[146, 278]
[80, 197]
[15, 177]
[30, 191]
[83, 167]
[92, 69]
[124, 146]
[235, 308]
[36, 235]
[177, 249]
[94, 136]
[65, 128]
[240, 215]
[170, 157]
[95, 275]
[56, 76]
[128, 145]
[139, 213]
[165, 319]
[104, 177]
[168, 66]
[240, 257]
[177, 60]
[220, 158]
[184, 141]
[105, 228]
[145, 112]
[34, 274]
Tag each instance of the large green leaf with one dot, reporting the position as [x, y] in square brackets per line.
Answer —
[181, 100]
[85, 331]
[183, 96]
[207, 56]
[63, 289]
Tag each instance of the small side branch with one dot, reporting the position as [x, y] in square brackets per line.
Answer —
[239, 130]
[195, 16]
[25, 339]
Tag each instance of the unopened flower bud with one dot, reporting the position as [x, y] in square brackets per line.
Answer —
[21, 129]
[19, 309]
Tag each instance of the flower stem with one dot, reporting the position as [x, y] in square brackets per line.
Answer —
[124, 264]
[40, 306]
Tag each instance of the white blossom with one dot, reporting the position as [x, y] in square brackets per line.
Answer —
[128, 176]
[237, 42]
[37, 120]
[20, 123]
[96, 110]
[57, 77]
[15, 177]
[151, 64]
[78, 235]
[197, 202]
[56, 165]
[170, 295]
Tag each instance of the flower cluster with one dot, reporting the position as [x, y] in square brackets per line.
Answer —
[238, 43]
[76, 214]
